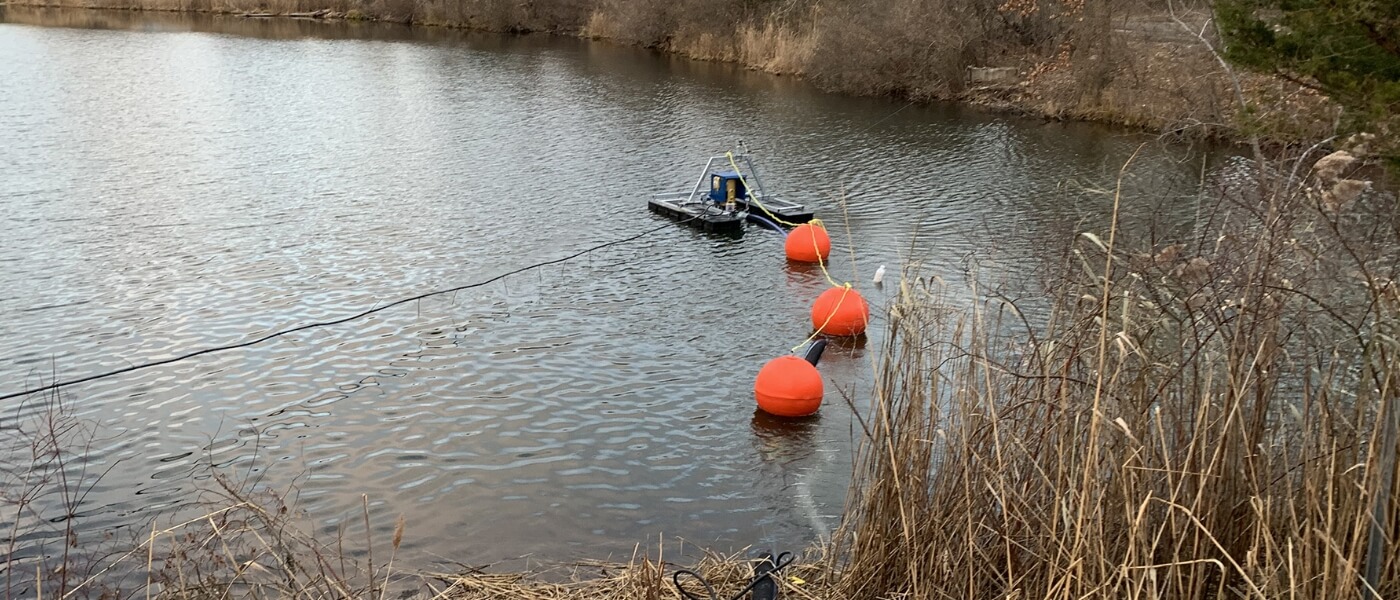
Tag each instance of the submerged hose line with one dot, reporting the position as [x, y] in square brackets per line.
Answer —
[776, 227]
[124, 370]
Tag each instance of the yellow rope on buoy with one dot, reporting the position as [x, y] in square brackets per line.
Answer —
[834, 310]
[846, 287]
[754, 199]
[814, 222]
[821, 263]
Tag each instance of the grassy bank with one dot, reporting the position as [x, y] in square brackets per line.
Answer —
[1132, 62]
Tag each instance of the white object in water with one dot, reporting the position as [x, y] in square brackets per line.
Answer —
[880, 274]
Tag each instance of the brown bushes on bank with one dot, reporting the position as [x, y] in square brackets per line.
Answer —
[922, 48]
[1109, 60]
[1200, 420]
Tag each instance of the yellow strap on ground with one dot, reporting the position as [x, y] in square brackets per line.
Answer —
[845, 290]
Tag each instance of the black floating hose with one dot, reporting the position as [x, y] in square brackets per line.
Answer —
[764, 588]
[764, 584]
[814, 352]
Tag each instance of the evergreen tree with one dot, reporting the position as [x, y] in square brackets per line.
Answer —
[1347, 49]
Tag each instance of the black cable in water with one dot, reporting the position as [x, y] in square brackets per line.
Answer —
[61, 384]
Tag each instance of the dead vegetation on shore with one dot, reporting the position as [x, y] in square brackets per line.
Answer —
[241, 540]
[1120, 61]
[644, 578]
[1197, 420]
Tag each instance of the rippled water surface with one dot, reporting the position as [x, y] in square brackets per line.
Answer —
[172, 183]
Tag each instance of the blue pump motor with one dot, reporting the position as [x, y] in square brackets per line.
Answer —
[725, 185]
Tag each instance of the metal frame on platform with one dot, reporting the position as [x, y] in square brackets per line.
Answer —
[698, 206]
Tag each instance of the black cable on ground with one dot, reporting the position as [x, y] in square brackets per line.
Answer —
[62, 384]
[776, 564]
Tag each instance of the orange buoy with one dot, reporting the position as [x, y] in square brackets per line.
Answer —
[788, 386]
[807, 243]
[840, 312]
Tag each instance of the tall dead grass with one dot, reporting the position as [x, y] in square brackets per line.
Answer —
[1196, 420]
[777, 48]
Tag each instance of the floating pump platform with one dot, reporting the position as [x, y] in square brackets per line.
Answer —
[787, 211]
[703, 215]
[730, 198]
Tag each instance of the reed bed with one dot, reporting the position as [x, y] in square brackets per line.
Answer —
[1194, 420]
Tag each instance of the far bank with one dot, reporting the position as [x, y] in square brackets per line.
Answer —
[1122, 62]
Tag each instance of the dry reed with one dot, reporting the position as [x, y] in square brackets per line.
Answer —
[642, 578]
[1193, 421]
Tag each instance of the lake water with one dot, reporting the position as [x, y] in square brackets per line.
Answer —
[169, 183]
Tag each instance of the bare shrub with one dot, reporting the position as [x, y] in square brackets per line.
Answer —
[46, 474]
[649, 24]
[922, 48]
[908, 47]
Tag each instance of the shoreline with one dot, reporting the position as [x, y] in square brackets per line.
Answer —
[1035, 94]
